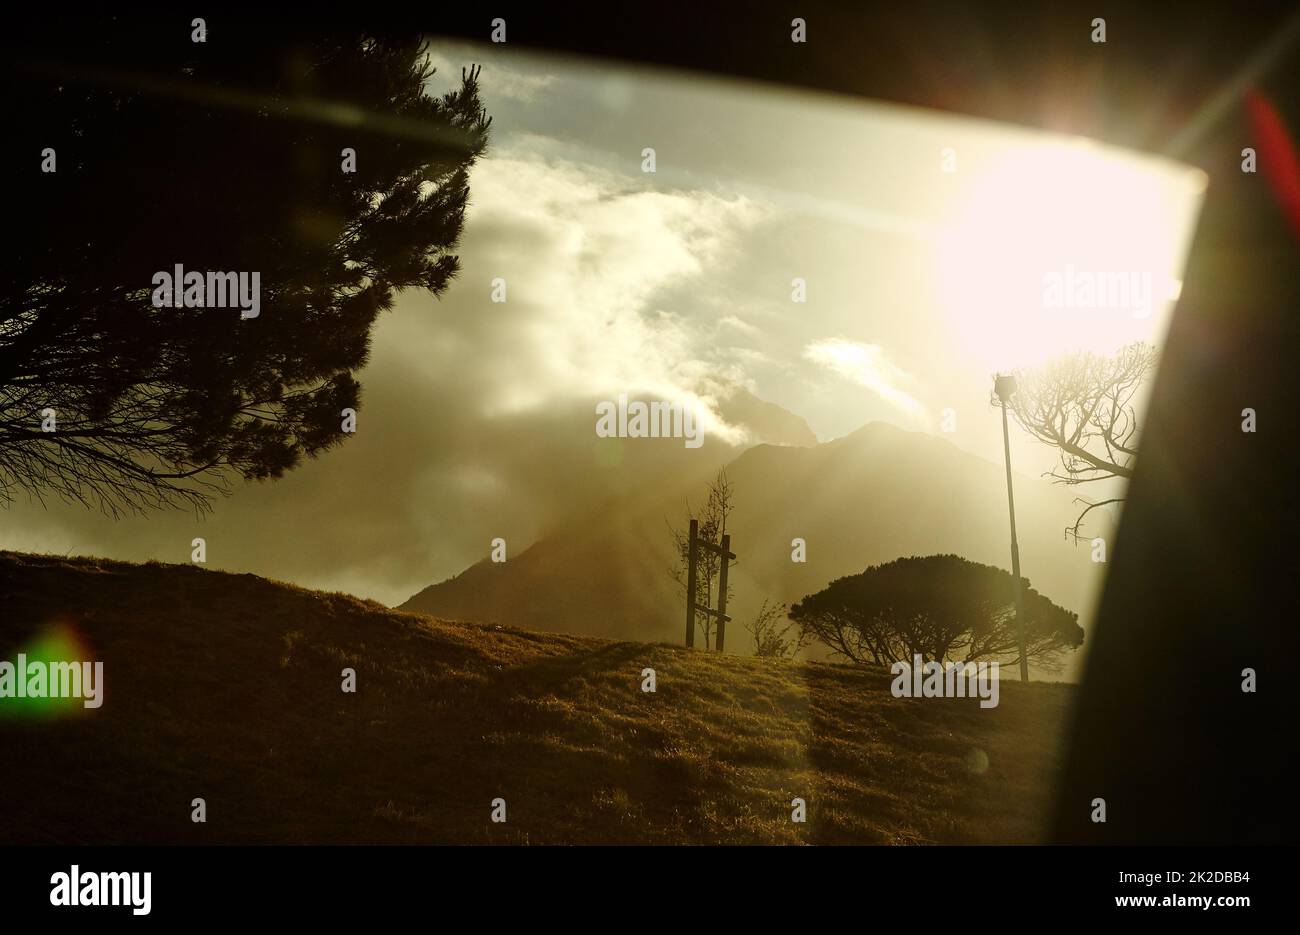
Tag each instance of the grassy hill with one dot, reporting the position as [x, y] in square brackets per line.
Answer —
[228, 687]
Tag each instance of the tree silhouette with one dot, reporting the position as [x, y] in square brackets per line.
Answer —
[220, 156]
[1083, 405]
[942, 607]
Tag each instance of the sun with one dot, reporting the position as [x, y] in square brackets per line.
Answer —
[1061, 246]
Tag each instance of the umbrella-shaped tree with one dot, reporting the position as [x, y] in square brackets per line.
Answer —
[941, 607]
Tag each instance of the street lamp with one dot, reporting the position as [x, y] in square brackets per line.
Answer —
[1004, 386]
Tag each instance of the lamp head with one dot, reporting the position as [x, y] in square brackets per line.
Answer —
[1004, 386]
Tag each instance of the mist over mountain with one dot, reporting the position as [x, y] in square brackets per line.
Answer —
[869, 497]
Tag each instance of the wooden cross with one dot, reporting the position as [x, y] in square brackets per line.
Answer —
[692, 607]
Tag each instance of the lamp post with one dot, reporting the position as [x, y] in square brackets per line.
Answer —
[1004, 386]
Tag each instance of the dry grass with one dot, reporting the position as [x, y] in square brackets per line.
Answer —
[228, 687]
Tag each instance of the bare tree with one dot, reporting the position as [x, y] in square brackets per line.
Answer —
[775, 635]
[1083, 405]
[712, 526]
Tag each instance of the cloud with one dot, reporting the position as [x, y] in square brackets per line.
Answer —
[739, 324]
[588, 260]
[867, 365]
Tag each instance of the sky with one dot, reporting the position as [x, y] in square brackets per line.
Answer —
[922, 242]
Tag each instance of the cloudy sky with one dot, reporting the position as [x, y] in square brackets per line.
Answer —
[922, 242]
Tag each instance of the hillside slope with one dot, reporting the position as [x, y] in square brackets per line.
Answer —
[228, 687]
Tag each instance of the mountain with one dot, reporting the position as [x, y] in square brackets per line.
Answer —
[869, 497]
[227, 687]
[766, 422]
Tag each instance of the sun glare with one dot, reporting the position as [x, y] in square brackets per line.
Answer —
[1064, 246]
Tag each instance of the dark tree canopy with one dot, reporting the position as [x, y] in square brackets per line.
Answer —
[942, 607]
[220, 156]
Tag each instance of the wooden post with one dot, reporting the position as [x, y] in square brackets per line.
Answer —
[722, 592]
[690, 585]
[1015, 551]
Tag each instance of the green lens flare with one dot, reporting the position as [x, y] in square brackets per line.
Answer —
[59, 644]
